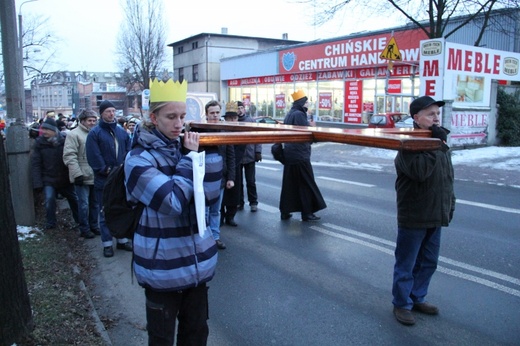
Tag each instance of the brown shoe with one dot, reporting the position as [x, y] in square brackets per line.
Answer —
[426, 308]
[404, 316]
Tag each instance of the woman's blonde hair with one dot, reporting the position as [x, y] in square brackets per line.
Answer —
[155, 107]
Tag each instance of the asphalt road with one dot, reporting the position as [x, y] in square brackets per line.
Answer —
[329, 282]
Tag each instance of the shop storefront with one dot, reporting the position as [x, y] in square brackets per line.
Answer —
[347, 80]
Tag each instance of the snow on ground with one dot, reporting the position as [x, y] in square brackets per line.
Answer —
[505, 158]
[26, 232]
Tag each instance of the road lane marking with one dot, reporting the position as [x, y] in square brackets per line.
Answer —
[489, 206]
[346, 181]
[446, 260]
[442, 269]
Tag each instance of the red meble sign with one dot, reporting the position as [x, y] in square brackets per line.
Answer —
[472, 61]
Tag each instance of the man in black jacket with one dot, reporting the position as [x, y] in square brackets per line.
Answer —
[425, 203]
[49, 173]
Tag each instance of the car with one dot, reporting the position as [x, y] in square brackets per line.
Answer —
[266, 120]
[406, 122]
[385, 120]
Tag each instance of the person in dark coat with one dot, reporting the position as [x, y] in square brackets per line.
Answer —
[300, 193]
[107, 146]
[50, 174]
[252, 155]
[425, 203]
[231, 198]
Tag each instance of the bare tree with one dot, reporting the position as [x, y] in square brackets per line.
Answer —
[141, 41]
[431, 16]
[38, 46]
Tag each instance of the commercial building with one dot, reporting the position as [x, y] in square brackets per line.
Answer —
[349, 78]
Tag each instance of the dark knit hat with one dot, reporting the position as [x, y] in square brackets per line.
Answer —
[240, 104]
[104, 105]
[423, 102]
[50, 124]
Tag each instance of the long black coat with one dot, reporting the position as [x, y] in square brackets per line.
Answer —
[299, 189]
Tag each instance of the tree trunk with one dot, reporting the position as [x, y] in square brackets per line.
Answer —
[16, 320]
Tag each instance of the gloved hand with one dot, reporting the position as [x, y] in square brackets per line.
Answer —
[258, 157]
[439, 132]
[78, 180]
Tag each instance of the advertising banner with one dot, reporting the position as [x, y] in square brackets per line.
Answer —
[394, 86]
[351, 53]
[280, 101]
[353, 102]
[463, 74]
[325, 101]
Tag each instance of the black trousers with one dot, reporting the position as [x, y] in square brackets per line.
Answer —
[248, 170]
[189, 306]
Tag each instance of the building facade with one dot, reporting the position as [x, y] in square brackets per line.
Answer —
[349, 78]
[197, 58]
[67, 92]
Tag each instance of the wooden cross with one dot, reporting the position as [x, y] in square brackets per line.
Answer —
[259, 133]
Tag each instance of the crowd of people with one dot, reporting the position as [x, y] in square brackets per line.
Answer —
[174, 254]
[65, 164]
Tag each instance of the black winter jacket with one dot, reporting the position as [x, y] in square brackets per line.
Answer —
[424, 187]
[297, 152]
[47, 164]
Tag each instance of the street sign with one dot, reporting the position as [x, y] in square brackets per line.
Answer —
[391, 51]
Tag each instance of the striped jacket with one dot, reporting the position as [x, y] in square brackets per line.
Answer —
[169, 254]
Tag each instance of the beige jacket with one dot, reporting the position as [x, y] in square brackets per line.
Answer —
[75, 155]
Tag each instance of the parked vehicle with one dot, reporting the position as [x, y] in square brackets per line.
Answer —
[266, 120]
[385, 120]
[406, 122]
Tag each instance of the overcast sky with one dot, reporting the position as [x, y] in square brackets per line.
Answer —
[87, 29]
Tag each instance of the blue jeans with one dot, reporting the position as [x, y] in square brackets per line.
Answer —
[106, 237]
[49, 193]
[213, 216]
[87, 208]
[416, 257]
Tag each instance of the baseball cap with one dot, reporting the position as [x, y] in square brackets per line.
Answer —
[423, 102]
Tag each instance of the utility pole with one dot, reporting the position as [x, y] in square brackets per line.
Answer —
[17, 139]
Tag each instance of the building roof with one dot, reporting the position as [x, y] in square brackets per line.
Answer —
[281, 41]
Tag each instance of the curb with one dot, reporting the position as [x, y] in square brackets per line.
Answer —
[100, 327]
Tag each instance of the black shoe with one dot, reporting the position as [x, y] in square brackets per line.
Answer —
[220, 244]
[426, 308]
[310, 217]
[254, 208]
[125, 246]
[87, 235]
[231, 222]
[108, 251]
[96, 231]
[404, 316]
[285, 216]
[240, 207]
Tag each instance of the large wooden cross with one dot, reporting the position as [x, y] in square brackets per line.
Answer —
[259, 133]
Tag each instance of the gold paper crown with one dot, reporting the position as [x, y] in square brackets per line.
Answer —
[298, 95]
[169, 91]
[231, 107]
